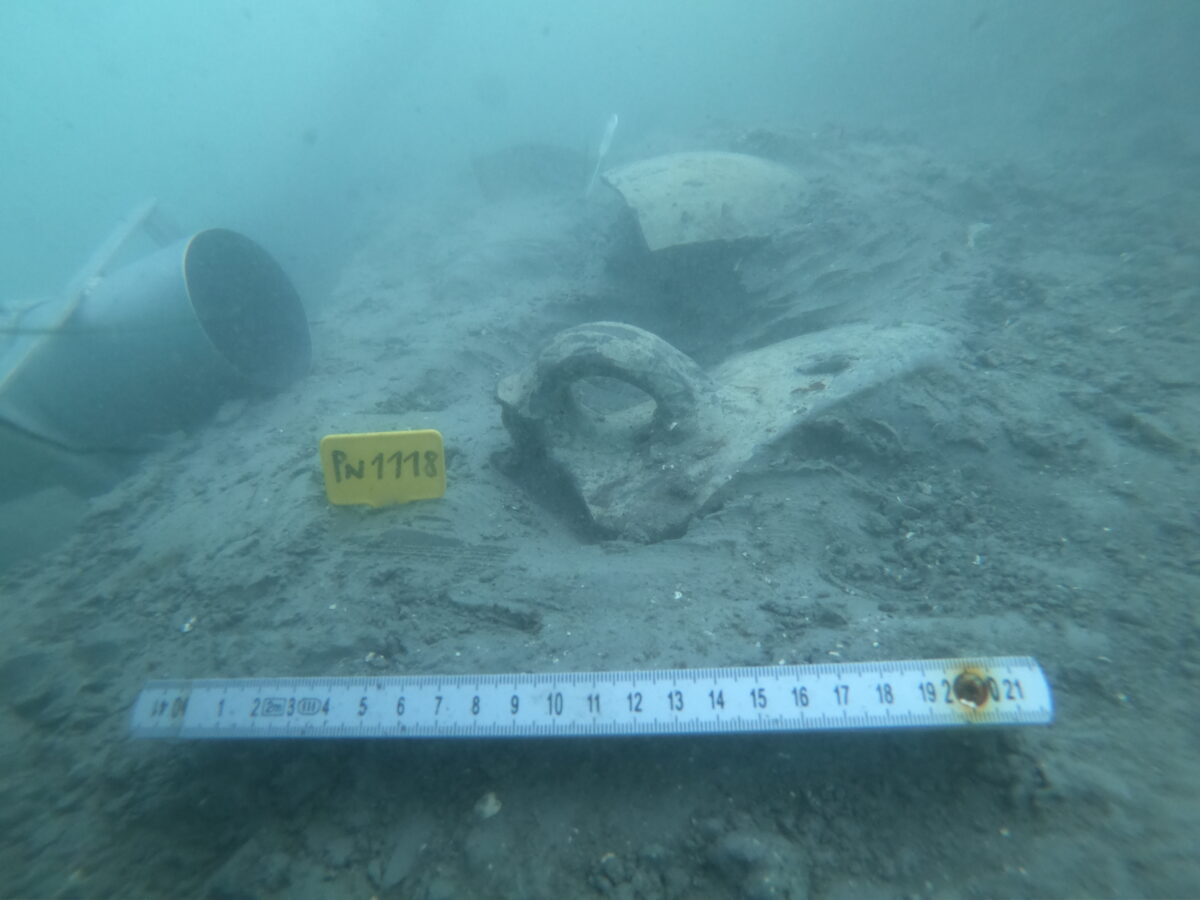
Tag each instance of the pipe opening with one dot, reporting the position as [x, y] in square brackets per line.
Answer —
[248, 307]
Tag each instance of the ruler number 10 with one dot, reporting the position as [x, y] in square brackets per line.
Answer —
[174, 710]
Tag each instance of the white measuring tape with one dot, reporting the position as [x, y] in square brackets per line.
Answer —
[831, 697]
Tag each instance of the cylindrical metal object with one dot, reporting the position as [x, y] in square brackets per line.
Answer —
[156, 346]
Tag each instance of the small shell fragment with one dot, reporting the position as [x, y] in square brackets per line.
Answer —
[487, 805]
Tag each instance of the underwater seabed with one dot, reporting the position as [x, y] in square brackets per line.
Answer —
[1032, 493]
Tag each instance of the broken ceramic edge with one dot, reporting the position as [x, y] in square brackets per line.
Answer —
[700, 197]
[593, 451]
[541, 395]
[647, 483]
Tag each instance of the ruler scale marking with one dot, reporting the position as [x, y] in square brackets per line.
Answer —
[901, 694]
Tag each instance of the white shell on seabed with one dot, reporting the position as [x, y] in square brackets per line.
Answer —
[487, 805]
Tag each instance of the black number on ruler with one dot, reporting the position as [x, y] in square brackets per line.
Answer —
[994, 689]
[635, 701]
[842, 693]
[716, 699]
[554, 700]
[514, 704]
[400, 705]
[884, 693]
[176, 708]
[675, 700]
[593, 704]
[800, 695]
[758, 697]
[1013, 689]
[475, 705]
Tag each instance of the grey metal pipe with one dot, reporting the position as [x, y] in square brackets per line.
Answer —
[155, 346]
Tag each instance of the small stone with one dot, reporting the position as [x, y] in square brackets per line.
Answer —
[487, 805]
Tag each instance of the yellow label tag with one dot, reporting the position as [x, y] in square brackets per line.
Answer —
[384, 467]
